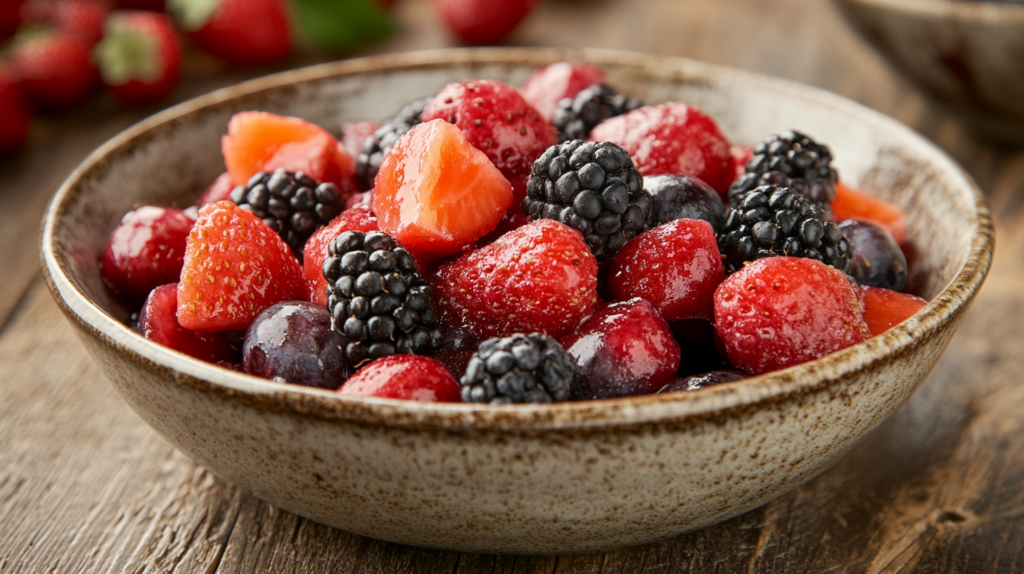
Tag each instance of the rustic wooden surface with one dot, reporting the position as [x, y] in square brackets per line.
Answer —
[86, 486]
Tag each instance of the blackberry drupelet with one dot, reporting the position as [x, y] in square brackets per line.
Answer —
[774, 221]
[377, 145]
[377, 298]
[292, 204]
[575, 117]
[530, 368]
[790, 160]
[593, 188]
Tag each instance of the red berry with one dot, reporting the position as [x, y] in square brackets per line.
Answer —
[261, 141]
[315, 252]
[547, 85]
[10, 18]
[146, 250]
[675, 266]
[235, 267]
[741, 154]
[158, 322]
[241, 32]
[364, 198]
[409, 377]
[884, 309]
[852, 204]
[354, 134]
[219, 190]
[782, 311]
[55, 69]
[483, 21]
[672, 138]
[81, 18]
[15, 113]
[540, 277]
[624, 349]
[139, 57]
[497, 121]
[436, 193]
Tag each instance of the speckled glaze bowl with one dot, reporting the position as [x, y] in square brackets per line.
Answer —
[569, 478]
[968, 55]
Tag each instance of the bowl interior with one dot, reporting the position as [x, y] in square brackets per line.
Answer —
[170, 158]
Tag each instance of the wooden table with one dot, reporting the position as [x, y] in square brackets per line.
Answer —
[85, 485]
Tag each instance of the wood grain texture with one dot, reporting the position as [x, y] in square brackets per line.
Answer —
[86, 486]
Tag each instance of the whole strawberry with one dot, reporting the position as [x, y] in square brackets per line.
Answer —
[241, 32]
[81, 18]
[139, 57]
[235, 267]
[15, 113]
[483, 21]
[55, 69]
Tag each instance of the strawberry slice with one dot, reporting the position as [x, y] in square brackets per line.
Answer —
[235, 267]
[852, 204]
[436, 193]
[261, 141]
[884, 309]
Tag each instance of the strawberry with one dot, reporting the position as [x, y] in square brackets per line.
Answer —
[139, 56]
[261, 141]
[354, 134]
[81, 18]
[315, 253]
[15, 113]
[235, 267]
[741, 154]
[241, 32]
[483, 21]
[146, 250]
[547, 85]
[884, 309]
[540, 277]
[781, 311]
[158, 322]
[497, 121]
[436, 193]
[852, 204]
[55, 68]
[409, 377]
[672, 138]
[219, 190]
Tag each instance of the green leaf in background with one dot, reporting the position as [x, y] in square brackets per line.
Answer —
[335, 25]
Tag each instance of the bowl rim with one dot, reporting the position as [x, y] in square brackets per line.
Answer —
[671, 409]
[969, 11]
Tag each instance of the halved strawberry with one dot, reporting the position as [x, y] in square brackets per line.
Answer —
[436, 193]
[261, 141]
[235, 267]
[852, 204]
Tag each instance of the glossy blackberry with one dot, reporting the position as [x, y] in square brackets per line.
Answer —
[575, 117]
[774, 221]
[292, 204]
[377, 298]
[593, 188]
[530, 368]
[790, 160]
[377, 145]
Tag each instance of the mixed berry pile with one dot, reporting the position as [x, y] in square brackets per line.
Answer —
[557, 242]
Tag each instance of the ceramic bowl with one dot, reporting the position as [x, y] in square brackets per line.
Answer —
[541, 479]
[969, 55]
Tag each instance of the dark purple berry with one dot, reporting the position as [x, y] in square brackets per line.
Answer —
[876, 258]
[293, 342]
[702, 381]
[684, 196]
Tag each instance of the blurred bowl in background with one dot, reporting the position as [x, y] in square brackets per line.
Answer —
[969, 55]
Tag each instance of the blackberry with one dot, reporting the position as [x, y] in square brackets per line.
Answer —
[593, 188]
[774, 221]
[377, 145]
[377, 298]
[530, 368]
[290, 203]
[575, 117]
[790, 160]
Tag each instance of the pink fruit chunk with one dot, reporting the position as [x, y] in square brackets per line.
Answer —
[547, 85]
[884, 309]
[623, 349]
[675, 266]
[782, 311]
[145, 251]
[158, 322]
[409, 377]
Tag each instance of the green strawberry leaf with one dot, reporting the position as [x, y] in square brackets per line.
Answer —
[191, 15]
[335, 25]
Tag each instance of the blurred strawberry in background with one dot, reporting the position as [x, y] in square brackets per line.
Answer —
[10, 18]
[81, 18]
[152, 5]
[241, 32]
[54, 67]
[15, 113]
[483, 21]
[139, 57]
